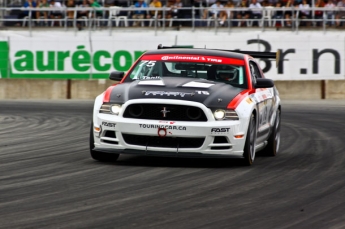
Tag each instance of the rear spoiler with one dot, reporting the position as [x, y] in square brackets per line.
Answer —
[255, 54]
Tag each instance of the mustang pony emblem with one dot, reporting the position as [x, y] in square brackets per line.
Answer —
[165, 111]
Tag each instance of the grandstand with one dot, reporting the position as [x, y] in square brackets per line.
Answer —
[192, 15]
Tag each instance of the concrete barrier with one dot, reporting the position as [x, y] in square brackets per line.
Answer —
[89, 89]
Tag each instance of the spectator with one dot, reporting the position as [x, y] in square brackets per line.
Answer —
[304, 12]
[94, 4]
[319, 13]
[70, 13]
[216, 11]
[28, 4]
[57, 10]
[83, 13]
[330, 13]
[278, 14]
[152, 13]
[139, 14]
[340, 14]
[256, 10]
[228, 10]
[175, 10]
[42, 4]
[244, 14]
[289, 14]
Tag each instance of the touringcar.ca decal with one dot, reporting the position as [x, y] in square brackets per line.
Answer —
[167, 127]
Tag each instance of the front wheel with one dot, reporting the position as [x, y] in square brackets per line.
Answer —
[249, 146]
[100, 156]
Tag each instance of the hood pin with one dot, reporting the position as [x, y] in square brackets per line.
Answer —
[219, 100]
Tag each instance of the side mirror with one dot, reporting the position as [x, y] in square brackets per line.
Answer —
[264, 83]
[117, 76]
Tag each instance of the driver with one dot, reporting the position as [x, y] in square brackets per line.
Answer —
[227, 76]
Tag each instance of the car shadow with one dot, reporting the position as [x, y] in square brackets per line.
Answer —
[156, 161]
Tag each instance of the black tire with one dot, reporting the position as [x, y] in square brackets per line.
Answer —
[100, 156]
[249, 146]
[273, 142]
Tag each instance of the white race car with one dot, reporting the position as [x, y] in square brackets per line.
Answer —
[183, 102]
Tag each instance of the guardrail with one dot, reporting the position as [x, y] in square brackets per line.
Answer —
[110, 17]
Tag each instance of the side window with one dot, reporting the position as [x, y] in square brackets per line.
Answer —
[255, 72]
[252, 72]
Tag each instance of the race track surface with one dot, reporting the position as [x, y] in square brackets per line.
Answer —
[48, 179]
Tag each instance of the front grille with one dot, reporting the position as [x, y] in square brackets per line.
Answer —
[166, 142]
[165, 112]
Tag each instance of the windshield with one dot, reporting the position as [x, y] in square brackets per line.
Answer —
[155, 70]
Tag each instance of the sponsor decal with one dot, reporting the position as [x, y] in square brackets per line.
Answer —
[220, 130]
[109, 124]
[167, 122]
[37, 59]
[167, 127]
[200, 58]
[249, 101]
[198, 84]
[175, 93]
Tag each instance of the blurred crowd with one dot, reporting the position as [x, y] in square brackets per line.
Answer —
[179, 12]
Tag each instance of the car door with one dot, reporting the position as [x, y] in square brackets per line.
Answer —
[264, 99]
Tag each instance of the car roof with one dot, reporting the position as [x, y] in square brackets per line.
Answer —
[194, 51]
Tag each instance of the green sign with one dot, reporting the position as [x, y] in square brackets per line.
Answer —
[77, 64]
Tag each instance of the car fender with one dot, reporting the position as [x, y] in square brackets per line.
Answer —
[97, 105]
[244, 110]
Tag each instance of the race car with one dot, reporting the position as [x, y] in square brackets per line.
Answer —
[188, 102]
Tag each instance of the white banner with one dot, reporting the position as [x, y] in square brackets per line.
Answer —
[310, 55]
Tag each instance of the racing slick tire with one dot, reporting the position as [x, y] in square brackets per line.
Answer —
[100, 156]
[249, 146]
[273, 141]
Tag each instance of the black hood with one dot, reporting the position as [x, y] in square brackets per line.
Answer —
[210, 93]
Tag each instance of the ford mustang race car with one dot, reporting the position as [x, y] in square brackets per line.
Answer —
[188, 102]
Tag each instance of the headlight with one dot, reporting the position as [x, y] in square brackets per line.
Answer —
[221, 114]
[110, 109]
[115, 109]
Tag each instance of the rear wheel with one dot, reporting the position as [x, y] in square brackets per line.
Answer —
[100, 156]
[249, 146]
[273, 141]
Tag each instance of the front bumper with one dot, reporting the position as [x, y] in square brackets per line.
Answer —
[168, 138]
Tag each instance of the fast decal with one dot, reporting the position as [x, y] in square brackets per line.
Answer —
[108, 124]
[167, 127]
[220, 130]
[176, 93]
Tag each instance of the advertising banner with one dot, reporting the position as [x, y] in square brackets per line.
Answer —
[64, 55]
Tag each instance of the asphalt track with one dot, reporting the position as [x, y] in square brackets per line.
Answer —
[48, 180]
